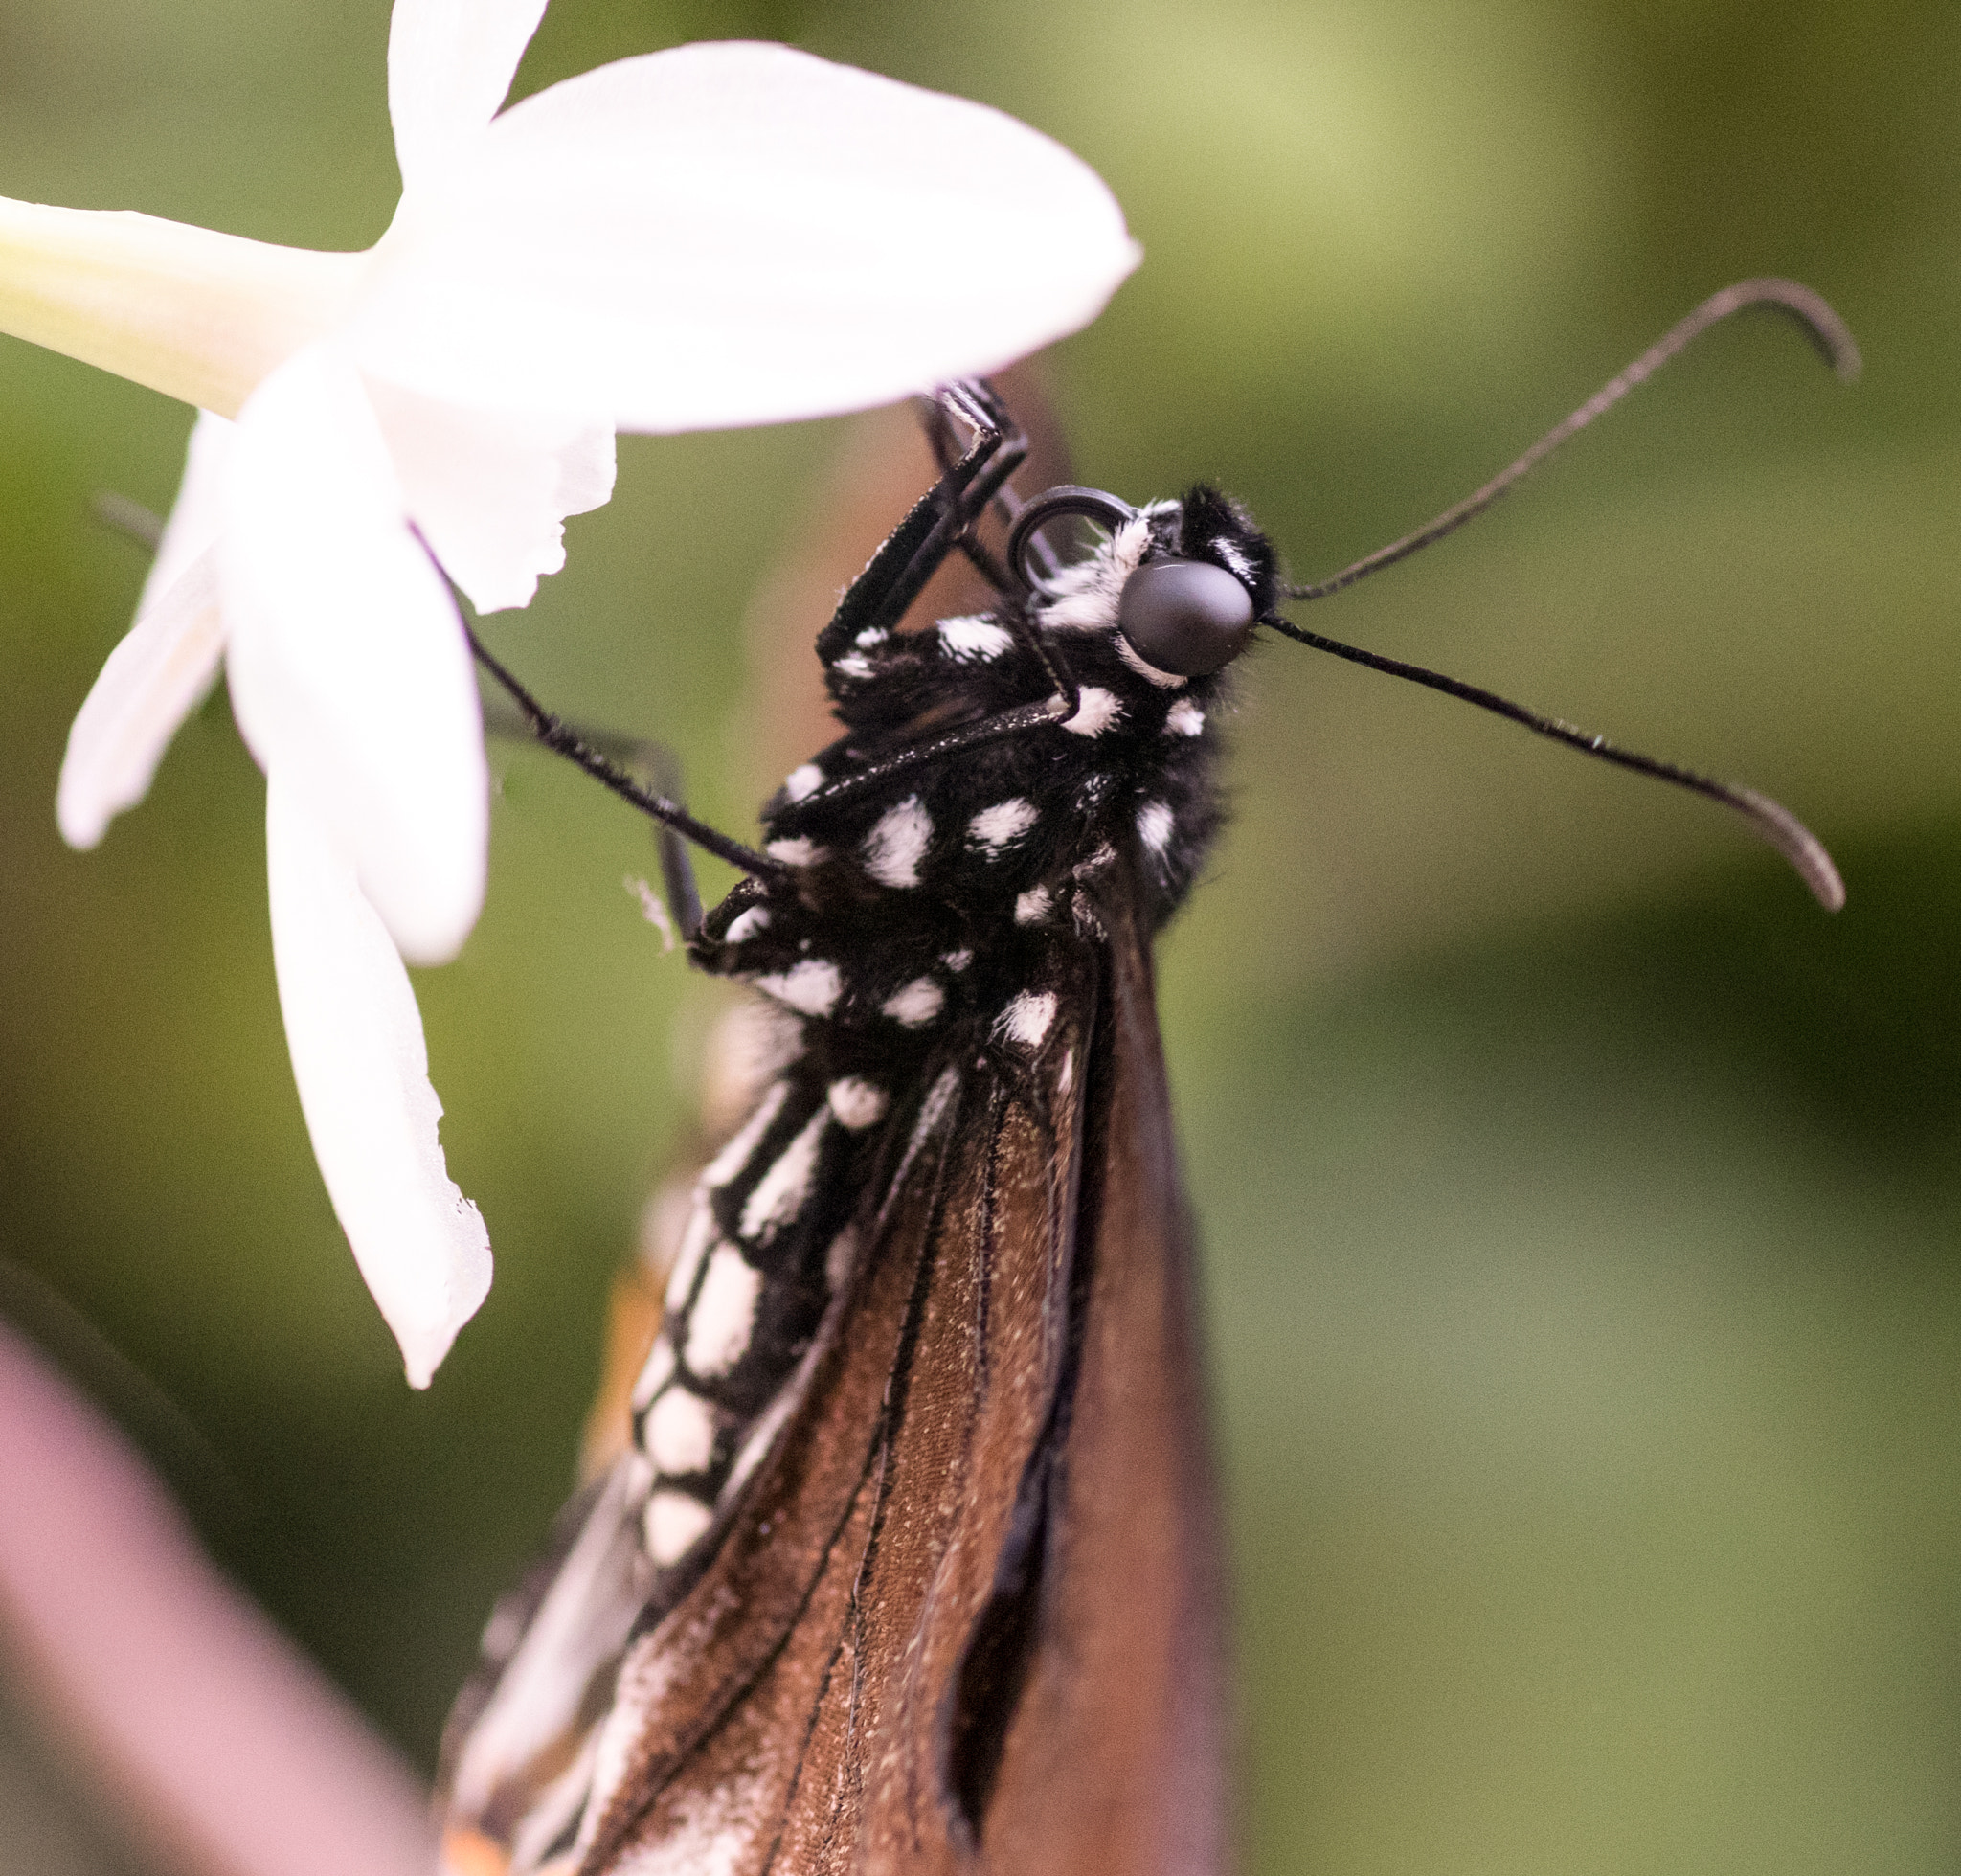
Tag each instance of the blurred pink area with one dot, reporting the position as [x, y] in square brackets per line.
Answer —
[228, 1752]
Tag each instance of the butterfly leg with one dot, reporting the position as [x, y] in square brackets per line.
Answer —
[912, 553]
[601, 757]
[943, 438]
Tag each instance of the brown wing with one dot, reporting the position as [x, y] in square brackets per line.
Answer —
[966, 1614]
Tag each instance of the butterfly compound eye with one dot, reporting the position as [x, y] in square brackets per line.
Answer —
[1185, 615]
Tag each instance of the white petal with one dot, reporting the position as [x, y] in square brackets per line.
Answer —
[349, 669]
[737, 233]
[153, 680]
[198, 512]
[165, 663]
[489, 494]
[449, 64]
[363, 1073]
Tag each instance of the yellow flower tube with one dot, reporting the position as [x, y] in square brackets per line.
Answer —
[195, 314]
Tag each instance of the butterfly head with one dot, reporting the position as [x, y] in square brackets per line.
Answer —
[1179, 585]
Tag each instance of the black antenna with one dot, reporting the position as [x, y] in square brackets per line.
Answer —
[1828, 332]
[1774, 821]
[562, 739]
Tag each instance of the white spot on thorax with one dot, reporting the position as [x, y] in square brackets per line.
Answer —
[734, 1156]
[673, 1521]
[1185, 718]
[1027, 1018]
[796, 850]
[957, 960]
[996, 828]
[1096, 710]
[803, 782]
[812, 987]
[680, 1432]
[897, 842]
[856, 1102]
[1156, 824]
[972, 640]
[1084, 595]
[780, 1192]
[724, 1313]
[917, 1004]
[1066, 1074]
[870, 636]
[745, 925]
[1033, 906]
[851, 665]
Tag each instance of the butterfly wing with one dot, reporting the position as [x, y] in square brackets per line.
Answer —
[964, 1615]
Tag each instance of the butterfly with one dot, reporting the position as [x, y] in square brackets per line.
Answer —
[912, 1561]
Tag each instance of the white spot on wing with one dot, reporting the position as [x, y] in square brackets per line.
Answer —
[897, 842]
[680, 1432]
[724, 1313]
[1033, 906]
[857, 1103]
[655, 1375]
[1156, 824]
[932, 1112]
[584, 1618]
[870, 636]
[1066, 1074]
[1185, 718]
[973, 639]
[996, 828]
[780, 1192]
[1096, 710]
[917, 1004]
[812, 987]
[695, 1243]
[1027, 1018]
[746, 924]
[734, 1156]
[673, 1521]
[802, 782]
[841, 1256]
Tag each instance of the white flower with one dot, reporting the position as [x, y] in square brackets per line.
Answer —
[716, 235]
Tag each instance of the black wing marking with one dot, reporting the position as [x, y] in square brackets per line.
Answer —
[964, 1615]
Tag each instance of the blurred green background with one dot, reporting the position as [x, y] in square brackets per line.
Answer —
[1580, 1202]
